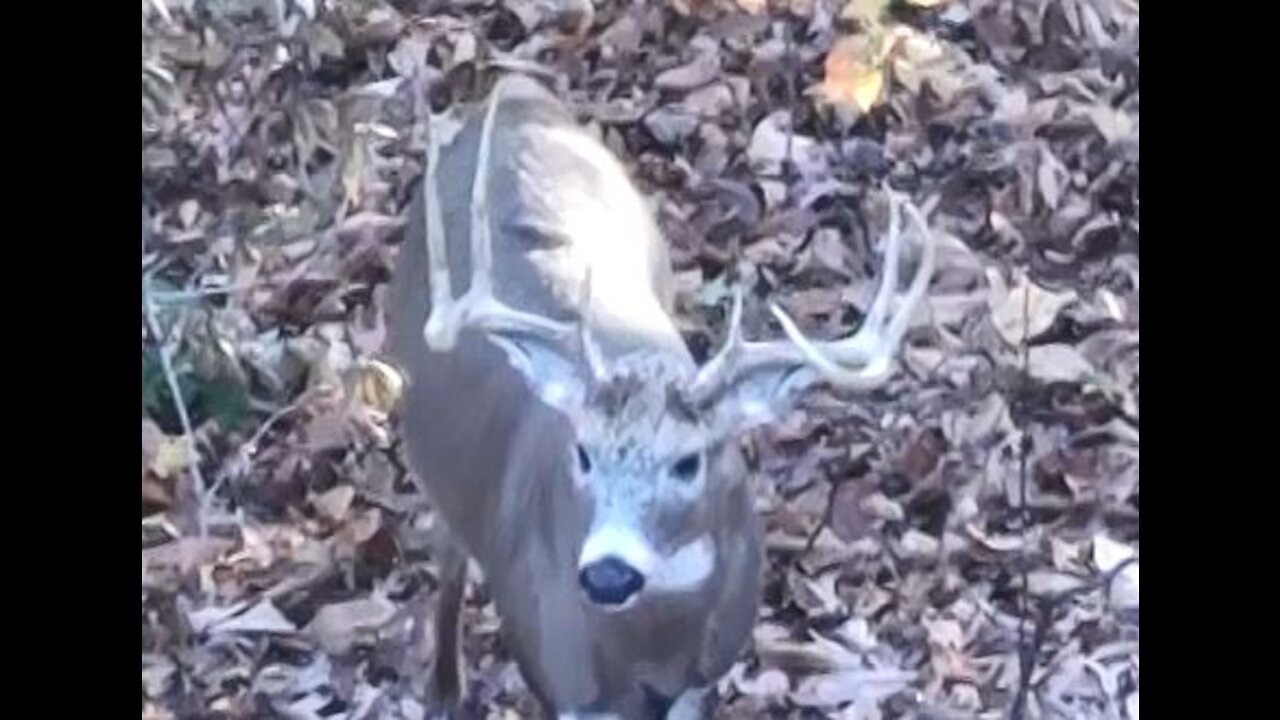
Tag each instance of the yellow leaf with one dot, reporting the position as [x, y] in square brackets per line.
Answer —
[380, 386]
[851, 78]
[867, 12]
[172, 456]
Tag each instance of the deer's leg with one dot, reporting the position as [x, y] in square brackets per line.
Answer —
[446, 668]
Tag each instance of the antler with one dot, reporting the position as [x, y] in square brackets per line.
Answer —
[478, 307]
[860, 361]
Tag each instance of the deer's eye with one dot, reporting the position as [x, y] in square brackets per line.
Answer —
[686, 468]
[584, 460]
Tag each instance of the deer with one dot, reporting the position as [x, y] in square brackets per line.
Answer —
[561, 428]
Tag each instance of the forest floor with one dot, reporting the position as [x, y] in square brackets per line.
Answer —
[960, 544]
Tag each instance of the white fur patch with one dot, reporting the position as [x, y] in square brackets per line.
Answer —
[685, 569]
[621, 542]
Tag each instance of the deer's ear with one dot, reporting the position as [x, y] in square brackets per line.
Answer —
[554, 378]
[760, 397]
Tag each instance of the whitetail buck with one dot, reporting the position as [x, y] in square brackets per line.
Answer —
[571, 443]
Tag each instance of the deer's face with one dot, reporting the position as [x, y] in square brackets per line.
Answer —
[648, 474]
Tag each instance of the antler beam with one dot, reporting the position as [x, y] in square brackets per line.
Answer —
[478, 307]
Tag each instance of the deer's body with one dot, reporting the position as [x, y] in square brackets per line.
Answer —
[492, 456]
[596, 482]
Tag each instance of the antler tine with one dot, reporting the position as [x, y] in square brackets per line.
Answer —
[862, 360]
[478, 307]
[865, 358]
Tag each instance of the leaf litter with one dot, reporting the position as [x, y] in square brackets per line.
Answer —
[981, 509]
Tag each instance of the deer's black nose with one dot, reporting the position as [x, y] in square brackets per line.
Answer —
[610, 581]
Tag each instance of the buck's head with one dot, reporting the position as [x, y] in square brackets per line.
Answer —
[653, 456]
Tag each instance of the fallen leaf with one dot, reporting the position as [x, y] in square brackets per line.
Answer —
[183, 555]
[770, 682]
[158, 672]
[380, 386]
[1025, 309]
[338, 626]
[172, 456]
[851, 79]
[841, 687]
[188, 211]
[262, 617]
[334, 503]
[152, 438]
[1058, 363]
[919, 545]
[770, 140]
[817, 597]
[856, 632]
[997, 543]
[799, 656]
[880, 506]
[155, 493]
[704, 68]
[361, 527]
[1108, 555]
[1050, 582]
[1112, 123]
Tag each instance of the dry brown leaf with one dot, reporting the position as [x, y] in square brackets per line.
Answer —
[919, 545]
[878, 505]
[1108, 555]
[768, 683]
[262, 617]
[185, 554]
[1051, 582]
[339, 626]
[1058, 363]
[998, 543]
[152, 437]
[802, 657]
[158, 673]
[841, 687]
[361, 527]
[334, 503]
[851, 78]
[1023, 308]
[155, 493]
[704, 68]
[816, 596]
[188, 211]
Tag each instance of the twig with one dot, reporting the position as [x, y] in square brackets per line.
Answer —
[1044, 616]
[789, 54]
[165, 296]
[1026, 651]
[240, 459]
[166, 364]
